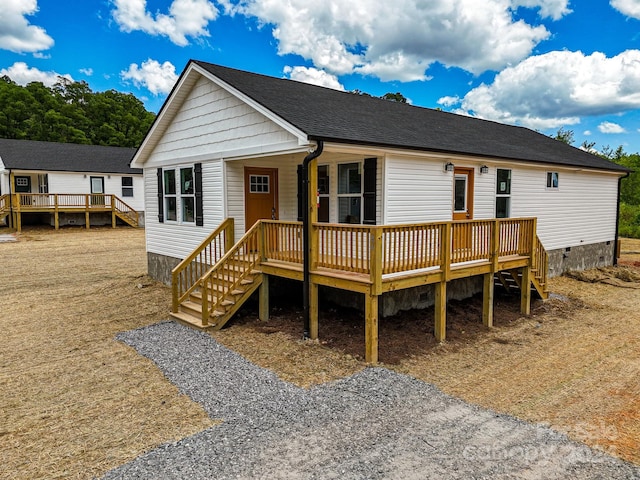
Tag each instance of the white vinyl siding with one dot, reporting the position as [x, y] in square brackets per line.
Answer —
[212, 123]
[416, 190]
[179, 240]
[581, 211]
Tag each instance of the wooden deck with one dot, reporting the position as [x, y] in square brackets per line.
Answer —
[16, 205]
[212, 283]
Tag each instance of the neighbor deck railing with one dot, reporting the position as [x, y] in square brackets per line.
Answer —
[5, 204]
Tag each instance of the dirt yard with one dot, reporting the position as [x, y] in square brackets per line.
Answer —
[74, 402]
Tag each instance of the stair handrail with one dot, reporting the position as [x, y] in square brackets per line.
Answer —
[185, 277]
[250, 242]
[5, 203]
[123, 208]
[540, 264]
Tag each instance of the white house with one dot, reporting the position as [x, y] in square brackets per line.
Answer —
[70, 172]
[228, 144]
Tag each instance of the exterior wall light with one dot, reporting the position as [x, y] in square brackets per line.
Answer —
[484, 169]
[448, 167]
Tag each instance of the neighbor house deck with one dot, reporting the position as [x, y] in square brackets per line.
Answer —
[15, 205]
[212, 283]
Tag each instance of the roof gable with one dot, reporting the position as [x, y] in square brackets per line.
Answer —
[326, 114]
[65, 157]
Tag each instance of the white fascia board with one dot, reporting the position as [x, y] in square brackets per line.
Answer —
[299, 134]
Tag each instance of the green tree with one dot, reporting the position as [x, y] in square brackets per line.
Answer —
[70, 112]
[565, 136]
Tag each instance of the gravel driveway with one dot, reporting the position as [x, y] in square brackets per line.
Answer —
[376, 424]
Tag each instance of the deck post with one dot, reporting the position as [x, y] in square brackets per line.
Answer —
[440, 327]
[86, 212]
[56, 215]
[113, 212]
[375, 257]
[445, 249]
[313, 311]
[263, 299]
[18, 214]
[487, 300]
[525, 289]
[371, 328]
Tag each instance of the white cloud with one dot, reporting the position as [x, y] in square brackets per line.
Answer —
[87, 71]
[557, 88]
[610, 127]
[399, 40]
[555, 9]
[587, 133]
[630, 8]
[313, 76]
[157, 78]
[449, 101]
[186, 18]
[22, 74]
[16, 34]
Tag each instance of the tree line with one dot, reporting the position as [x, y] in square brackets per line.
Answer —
[70, 112]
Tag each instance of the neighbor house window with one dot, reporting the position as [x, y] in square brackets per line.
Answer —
[323, 193]
[552, 179]
[503, 193]
[350, 193]
[170, 199]
[187, 195]
[127, 186]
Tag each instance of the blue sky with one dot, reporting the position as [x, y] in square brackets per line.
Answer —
[543, 64]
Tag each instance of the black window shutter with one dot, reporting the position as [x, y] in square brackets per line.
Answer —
[197, 170]
[369, 193]
[160, 197]
[300, 203]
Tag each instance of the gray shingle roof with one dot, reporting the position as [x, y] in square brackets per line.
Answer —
[65, 157]
[330, 115]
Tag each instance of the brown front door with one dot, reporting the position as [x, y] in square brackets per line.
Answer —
[260, 194]
[463, 193]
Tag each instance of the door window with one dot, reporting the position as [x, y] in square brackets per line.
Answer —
[460, 193]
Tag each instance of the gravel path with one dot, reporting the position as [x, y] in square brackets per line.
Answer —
[376, 424]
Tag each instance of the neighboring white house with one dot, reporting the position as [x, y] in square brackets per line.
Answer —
[33, 167]
[227, 143]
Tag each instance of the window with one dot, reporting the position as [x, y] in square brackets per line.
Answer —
[503, 193]
[349, 193]
[187, 195]
[323, 193]
[552, 180]
[170, 199]
[259, 183]
[127, 186]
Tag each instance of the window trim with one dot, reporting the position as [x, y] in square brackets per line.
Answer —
[506, 194]
[127, 190]
[359, 195]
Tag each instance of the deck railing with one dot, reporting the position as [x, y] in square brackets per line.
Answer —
[227, 276]
[5, 205]
[125, 210]
[186, 275]
[404, 248]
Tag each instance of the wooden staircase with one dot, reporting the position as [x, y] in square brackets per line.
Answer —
[511, 280]
[5, 206]
[209, 301]
[125, 213]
